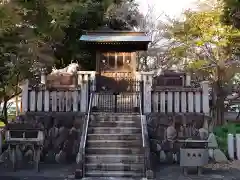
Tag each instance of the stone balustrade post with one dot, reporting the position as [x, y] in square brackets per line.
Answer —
[43, 78]
[1, 141]
[84, 96]
[205, 97]
[25, 97]
[188, 80]
[147, 78]
[205, 103]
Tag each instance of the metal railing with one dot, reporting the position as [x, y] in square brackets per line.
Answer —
[81, 153]
[145, 138]
[116, 102]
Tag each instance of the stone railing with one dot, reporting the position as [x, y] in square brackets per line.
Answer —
[54, 101]
[73, 98]
[180, 99]
[156, 99]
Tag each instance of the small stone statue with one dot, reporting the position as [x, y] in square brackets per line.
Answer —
[195, 130]
[170, 138]
[71, 69]
[171, 133]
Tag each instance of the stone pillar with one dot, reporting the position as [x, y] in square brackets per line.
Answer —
[84, 97]
[93, 79]
[43, 78]
[238, 146]
[46, 100]
[205, 97]
[147, 97]
[136, 98]
[75, 100]
[147, 88]
[188, 80]
[230, 141]
[1, 141]
[25, 96]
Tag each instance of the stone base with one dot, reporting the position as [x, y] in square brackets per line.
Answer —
[78, 174]
[184, 123]
[62, 132]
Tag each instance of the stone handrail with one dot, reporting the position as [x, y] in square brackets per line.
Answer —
[145, 143]
[81, 153]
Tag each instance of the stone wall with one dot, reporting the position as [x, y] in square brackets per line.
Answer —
[185, 125]
[62, 136]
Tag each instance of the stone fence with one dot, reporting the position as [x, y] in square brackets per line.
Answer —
[75, 98]
[180, 100]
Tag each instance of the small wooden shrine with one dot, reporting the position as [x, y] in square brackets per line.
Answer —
[115, 55]
[171, 78]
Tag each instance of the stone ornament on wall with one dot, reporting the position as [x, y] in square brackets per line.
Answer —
[63, 78]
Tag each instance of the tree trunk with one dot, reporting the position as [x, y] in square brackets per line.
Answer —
[16, 102]
[218, 103]
[4, 109]
[5, 113]
[16, 97]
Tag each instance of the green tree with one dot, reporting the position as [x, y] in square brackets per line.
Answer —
[39, 33]
[120, 15]
[206, 46]
[232, 12]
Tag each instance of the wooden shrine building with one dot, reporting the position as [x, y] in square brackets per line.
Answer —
[116, 61]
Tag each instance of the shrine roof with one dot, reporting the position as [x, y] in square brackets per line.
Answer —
[106, 34]
[115, 38]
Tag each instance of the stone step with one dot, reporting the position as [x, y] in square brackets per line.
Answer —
[101, 114]
[114, 130]
[116, 158]
[115, 167]
[114, 143]
[114, 136]
[114, 117]
[114, 124]
[114, 150]
[113, 174]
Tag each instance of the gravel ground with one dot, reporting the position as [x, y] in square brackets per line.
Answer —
[229, 171]
[47, 172]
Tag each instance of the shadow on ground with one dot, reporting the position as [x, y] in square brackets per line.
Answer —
[212, 172]
[47, 171]
[169, 172]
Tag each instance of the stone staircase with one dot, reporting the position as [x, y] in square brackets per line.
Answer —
[114, 146]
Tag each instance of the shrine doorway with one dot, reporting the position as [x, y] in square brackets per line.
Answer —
[116, 72]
